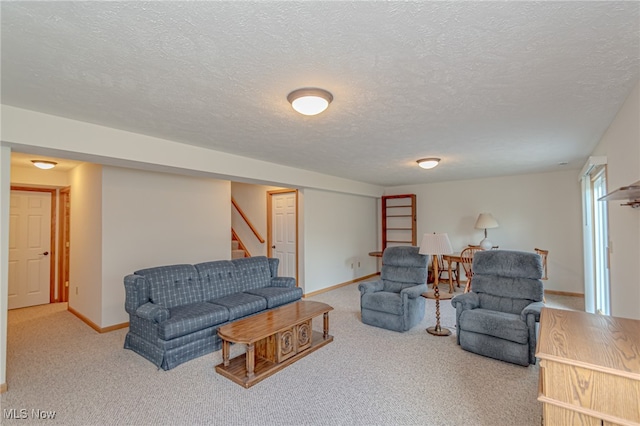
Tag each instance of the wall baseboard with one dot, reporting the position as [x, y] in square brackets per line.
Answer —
[462, 282]
[563, 293]
[324, 290]
[94, 325]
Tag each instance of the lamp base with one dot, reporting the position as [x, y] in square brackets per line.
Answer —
[439, 332]
[485, 244]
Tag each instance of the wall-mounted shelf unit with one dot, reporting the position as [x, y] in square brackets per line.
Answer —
[630, 193]
[399, 220]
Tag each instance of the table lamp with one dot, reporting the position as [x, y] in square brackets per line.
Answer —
[434, 245]
[485, 221]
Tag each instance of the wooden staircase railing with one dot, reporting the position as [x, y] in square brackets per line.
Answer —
[234, 235]
[241, 246]
[246, 219]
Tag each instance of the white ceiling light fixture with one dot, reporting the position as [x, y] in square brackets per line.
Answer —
[44, 164]
[428, 163]
[310, 100]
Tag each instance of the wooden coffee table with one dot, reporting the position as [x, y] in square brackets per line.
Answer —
[274, 339]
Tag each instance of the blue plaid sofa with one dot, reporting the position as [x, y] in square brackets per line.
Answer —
[175, 311]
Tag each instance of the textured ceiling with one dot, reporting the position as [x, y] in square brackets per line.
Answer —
[493, 88]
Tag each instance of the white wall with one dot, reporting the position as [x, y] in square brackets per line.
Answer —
[621, 145]
[5, 193]
[537, 210]
[252, 199]
[85, 251]
[339, 230]
[153, 219]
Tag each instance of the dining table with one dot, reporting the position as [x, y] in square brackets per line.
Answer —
[450, 259]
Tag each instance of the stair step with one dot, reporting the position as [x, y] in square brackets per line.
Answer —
[237, 254]
[234, 245]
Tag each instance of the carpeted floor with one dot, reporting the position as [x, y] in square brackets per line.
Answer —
[366, 376]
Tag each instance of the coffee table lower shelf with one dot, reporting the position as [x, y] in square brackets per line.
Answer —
[237, 368]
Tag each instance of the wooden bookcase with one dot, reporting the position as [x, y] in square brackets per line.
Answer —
[399, 220]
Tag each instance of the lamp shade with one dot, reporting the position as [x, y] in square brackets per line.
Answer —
[428, 163]
[485, 221]
[435, 244]
[310, 101]
[44, 164]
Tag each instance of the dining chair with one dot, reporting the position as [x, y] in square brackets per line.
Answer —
[466, 258]
[543, 254]
[444, 269]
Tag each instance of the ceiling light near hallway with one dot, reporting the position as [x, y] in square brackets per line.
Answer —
[428, 163]
[310, 101]
[43, 164]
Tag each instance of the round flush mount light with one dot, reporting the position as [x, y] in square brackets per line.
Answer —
[310, 100]
[428, 163]
[44, 164]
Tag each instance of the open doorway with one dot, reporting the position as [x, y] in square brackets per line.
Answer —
[32, 236]
[272, 212]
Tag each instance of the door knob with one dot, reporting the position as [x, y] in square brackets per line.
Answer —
[45, 253]
[273, 246]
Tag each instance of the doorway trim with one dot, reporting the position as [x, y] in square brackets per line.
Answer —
[52, 244]
[269, 224]
[63, 254]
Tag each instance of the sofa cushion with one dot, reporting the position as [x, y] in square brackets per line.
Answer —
[174, 285]
[382, 301]
[218, 278]
[241, 304]
[277, 296]
[187, 319]
[497, 324]
[252, 272]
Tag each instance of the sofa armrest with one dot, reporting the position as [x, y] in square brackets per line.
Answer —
[370, 287]
[273, 266]
[464, 302]
[415, 291]
[153, 312]
[532, 309]
[136, 292]
[288, 282]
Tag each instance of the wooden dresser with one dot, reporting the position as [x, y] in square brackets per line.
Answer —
[589, 369]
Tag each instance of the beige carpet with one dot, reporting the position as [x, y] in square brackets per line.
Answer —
[367, 376]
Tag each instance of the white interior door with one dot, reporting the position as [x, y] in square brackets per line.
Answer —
[283, 238]
[29, 249]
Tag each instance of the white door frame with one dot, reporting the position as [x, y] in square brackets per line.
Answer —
[270, 219]
[52, 251]
[592, 167]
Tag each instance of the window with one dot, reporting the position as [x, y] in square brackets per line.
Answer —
[596, 239]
